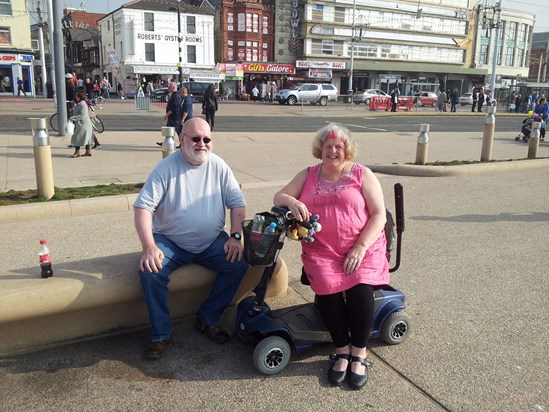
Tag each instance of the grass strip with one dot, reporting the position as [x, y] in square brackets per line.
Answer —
[17, 197]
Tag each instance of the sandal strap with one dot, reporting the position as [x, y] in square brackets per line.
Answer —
[345, 356]
[362, 361]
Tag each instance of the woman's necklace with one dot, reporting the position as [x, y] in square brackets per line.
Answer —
[328, 187]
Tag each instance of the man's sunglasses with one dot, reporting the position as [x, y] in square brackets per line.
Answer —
[197, 139]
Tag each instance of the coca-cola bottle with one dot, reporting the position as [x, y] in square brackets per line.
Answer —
[45, 260]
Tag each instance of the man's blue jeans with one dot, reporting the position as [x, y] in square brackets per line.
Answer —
[155, 285]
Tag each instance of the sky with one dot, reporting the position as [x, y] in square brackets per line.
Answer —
[539, 7]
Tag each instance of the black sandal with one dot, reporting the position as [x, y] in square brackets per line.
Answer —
[358, 381]
[336, 378]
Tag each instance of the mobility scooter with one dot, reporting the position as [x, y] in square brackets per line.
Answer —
[276, 332]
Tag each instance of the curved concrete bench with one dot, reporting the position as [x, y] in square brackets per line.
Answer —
[95, 297]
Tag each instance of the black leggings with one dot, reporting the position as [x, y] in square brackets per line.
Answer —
[350, 311]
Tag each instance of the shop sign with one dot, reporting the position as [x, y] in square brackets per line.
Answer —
[8, 57]
[320, 74]
[293, 43]
[168, 38]
[269, 68]
[304, 64]
[25, 58]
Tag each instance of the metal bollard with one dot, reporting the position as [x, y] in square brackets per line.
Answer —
[168, 145]
[422, 144]
[533, 141]
[42, 158]
[488, 137]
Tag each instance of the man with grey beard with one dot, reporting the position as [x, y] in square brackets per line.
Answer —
[180, 219]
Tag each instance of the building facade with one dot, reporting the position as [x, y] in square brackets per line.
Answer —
[16, 55]
[429, 45]
[141, 43]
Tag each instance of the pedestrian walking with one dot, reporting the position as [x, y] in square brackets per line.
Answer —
[20, 88]
[209, 105]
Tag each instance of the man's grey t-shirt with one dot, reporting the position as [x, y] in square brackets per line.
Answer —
[189, 202]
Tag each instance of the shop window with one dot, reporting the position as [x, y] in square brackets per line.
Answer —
[5, 7]
[191, 54]
[5, 36]
[149, 21]
[149, 52]
[191, 25]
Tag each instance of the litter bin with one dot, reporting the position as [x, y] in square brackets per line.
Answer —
[142, 103]
[349, 97]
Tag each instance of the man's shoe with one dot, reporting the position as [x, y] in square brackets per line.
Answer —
[215, 333]
[156, 349]
[159, 143]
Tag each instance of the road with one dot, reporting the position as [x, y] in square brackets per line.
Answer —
[152, 121]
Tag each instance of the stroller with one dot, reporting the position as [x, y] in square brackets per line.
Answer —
[526, 128]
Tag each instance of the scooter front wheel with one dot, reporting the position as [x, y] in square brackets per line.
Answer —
[396, 328]
[271, 355]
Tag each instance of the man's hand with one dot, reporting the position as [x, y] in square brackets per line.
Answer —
[233, 249]
[151, 259]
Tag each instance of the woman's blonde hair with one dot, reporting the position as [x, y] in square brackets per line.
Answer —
[334, 130]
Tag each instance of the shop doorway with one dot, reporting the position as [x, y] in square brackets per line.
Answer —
[27, 79]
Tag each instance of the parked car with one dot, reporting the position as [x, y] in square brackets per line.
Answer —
[309, 92]
[364, 96]
[426, 99]
[160, 94]
[197, 89]
[466, 99]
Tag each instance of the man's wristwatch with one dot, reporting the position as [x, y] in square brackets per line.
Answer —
[236, 235]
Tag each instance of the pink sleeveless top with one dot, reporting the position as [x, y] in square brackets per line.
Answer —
[343, 215]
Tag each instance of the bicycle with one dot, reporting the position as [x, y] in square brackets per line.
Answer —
[99, 101]
[97, 124]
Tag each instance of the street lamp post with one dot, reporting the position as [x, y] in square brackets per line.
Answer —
[179, 41]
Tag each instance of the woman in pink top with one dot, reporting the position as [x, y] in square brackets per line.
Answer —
[348, 256]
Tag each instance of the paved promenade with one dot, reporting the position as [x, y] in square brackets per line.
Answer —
[475, 258]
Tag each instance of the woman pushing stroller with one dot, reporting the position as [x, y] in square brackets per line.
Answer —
[542, 110]
[527, 123]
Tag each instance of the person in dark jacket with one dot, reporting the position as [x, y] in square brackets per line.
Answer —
[70, 93]
[454, 100]
[209, 105]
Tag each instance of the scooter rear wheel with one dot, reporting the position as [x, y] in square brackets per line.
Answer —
[272, 355]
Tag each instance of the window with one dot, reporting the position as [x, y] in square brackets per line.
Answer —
[191, 54]
[265, 25]
[149, 52]
[191, 25]
[149, 21]
[5, 36]
[483, 59]
[230, 22]
[241, 22]
[327, 47]
[255, 23]
[512, 30]
[5, 7]
[249, 22]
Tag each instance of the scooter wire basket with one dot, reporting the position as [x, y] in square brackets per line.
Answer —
[260, 249]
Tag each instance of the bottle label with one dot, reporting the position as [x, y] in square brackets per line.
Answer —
[45, 258]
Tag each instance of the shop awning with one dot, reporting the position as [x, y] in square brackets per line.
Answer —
[152, 69]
